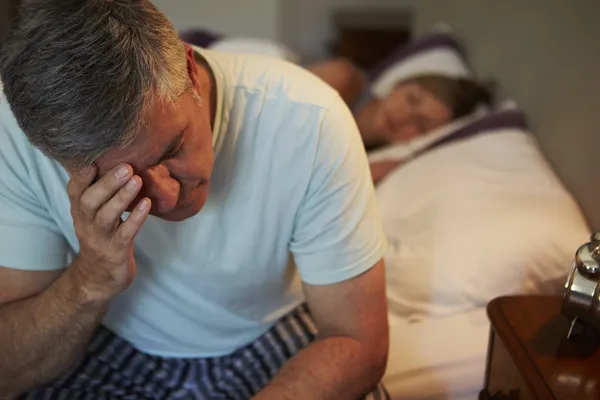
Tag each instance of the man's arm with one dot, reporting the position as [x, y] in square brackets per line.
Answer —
[349, 357]
[45, 325]
[42, 334]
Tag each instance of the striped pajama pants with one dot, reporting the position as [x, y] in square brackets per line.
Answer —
[113, 370]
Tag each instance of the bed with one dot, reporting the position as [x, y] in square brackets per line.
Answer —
[462, 231]
[422, 366]
[475, 212]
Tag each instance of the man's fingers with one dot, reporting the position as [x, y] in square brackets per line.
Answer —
[102, 191]
[128, 229]
[110, 213]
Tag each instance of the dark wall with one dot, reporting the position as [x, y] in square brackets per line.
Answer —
[7, 13]
[544, 54]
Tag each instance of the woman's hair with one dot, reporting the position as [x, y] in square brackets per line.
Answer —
[461, 95]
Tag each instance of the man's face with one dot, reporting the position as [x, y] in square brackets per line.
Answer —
[174, 156]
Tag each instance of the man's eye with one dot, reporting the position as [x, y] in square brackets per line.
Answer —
[175, 153]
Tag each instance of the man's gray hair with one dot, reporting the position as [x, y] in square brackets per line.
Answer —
[81, 75]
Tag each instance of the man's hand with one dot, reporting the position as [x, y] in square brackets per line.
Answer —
[105, 263]
[67, 307]
[348, 358]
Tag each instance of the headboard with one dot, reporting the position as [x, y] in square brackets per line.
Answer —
[8, 10]
[545, 55]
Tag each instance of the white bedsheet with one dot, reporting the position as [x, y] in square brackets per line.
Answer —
[467, 222]
[438, 358]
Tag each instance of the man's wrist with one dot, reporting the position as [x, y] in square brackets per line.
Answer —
[81, 292]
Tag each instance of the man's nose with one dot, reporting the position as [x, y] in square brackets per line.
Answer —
[161, 189]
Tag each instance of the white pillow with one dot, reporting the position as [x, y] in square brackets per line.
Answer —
[441, 61]
[473, 220]
[263, 47]
[438, 53]
[402, 151]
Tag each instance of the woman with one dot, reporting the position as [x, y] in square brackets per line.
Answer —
[415, 106]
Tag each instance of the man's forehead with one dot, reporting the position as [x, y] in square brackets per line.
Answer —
[163, 122]
[137, 153]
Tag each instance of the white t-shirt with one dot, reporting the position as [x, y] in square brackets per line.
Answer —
[290, 175]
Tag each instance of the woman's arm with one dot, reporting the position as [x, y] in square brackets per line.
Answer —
[381, 169]
[343, 76]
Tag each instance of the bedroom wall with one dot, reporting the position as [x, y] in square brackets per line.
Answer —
[306, 27]
[7, 11]
[545, 54]
[257, 18]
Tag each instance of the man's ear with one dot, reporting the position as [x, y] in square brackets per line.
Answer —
[82, 172]
[192, 67]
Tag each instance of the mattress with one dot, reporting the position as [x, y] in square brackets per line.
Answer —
[438, 358]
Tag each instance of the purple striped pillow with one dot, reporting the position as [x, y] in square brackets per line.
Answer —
[419, 45]
[512, 118]
[200, 37]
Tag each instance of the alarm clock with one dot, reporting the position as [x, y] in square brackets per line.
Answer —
[582, 289]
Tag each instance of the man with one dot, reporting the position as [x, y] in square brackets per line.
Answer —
[112, 119]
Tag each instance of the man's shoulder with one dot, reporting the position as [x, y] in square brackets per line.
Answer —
[16, 151]
[274, 77]
[11, 135]
[9, 128]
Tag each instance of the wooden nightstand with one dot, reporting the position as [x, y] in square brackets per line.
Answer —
[529, 357]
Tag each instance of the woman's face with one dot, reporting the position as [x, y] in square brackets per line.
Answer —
[409, 111]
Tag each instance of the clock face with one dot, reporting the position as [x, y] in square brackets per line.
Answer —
[582, 286]
[588, 259]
